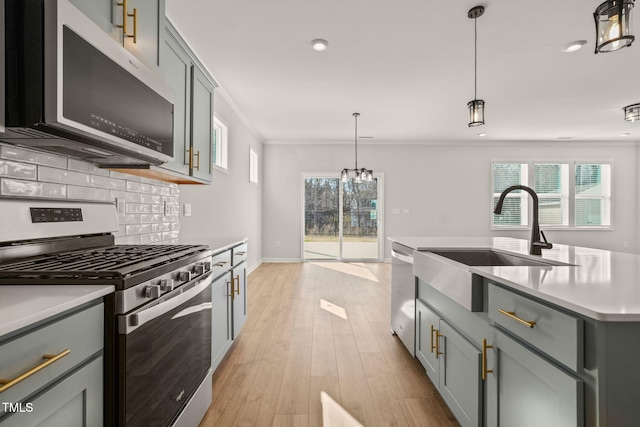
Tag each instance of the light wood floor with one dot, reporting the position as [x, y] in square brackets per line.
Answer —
[291, 348]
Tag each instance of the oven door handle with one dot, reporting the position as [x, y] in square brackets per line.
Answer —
[132, 321]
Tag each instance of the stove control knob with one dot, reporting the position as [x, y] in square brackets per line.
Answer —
[184, 276]
[207, 266]
[166, 284]
[152, 291]
[199, 269]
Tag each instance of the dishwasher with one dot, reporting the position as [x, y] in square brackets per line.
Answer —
[403, 296]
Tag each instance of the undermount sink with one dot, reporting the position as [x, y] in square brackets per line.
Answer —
[491, 258]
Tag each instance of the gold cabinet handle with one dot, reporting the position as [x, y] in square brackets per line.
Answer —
[124, 16]
[238, 282]
[241, 253]
[485, 371]
[197, 154]
[438, 336]
[50, 359]
[190, 151]
[222, 264]
[512, 315]
[433, 346]
[231, 292]
[134, 15]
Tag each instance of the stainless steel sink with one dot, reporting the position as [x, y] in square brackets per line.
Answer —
[448, 271]
[491, 258]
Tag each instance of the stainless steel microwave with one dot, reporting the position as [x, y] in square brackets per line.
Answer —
[71, 89]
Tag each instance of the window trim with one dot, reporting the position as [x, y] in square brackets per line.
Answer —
[218, 123]
[254, 166]
[571, 226]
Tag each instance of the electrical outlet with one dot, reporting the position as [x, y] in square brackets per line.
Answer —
[277, 243]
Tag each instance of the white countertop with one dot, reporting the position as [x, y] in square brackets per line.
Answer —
[217, 244]
[602, 285]
[24, 305]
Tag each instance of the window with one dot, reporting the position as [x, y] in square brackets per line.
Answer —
[570, 194]
[220, 142]
[253, 166]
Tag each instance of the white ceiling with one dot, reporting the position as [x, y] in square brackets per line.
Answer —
[407, 67]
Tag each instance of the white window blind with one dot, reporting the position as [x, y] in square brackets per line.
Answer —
[593, 195]
[551, 183]
[570, 194]
[516, 202]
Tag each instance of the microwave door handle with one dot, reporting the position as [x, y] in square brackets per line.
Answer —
[132, 321]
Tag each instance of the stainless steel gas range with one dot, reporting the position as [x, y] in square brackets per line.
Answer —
[158, 321]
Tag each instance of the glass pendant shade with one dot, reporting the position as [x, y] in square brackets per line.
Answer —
[632, 113]
[613, 25]
[476, 112]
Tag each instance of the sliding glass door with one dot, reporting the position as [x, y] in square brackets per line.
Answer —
[341, 219]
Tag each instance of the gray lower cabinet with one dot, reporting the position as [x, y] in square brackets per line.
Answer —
[229, 300]
[239, 278]
[452, 363]
[221, 320]
[527, 390]
[57, 371]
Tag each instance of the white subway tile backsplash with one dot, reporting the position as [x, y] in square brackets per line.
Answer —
[88, 193]
[108, 182]
[13, 187]
[77, 165]
[17, 153]
[47, 174]
[27, 173]
[19, 170]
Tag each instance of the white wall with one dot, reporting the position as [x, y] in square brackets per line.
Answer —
[446, 187]
[231, 207]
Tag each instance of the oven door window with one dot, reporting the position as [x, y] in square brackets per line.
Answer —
[166, 358]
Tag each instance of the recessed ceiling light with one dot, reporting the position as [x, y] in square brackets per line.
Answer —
[567, 138]
[574, 46]
[625, 134]
[482, 134]
[319, 44]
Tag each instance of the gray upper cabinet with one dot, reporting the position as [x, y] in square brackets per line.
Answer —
[193, 110]
[526, 390]
[201, 124]
[150, 21]
[176, 67]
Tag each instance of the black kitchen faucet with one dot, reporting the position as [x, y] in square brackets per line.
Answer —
[536, 245]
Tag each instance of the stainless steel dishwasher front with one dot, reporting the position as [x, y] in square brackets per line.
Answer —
[403, 295]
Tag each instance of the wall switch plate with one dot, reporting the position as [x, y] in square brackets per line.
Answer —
[186, 209]
[396, 211]
[406, 211]
[121, 206]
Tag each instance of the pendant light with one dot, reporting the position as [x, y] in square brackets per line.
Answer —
[613, 25]
[632, 113]
[362, 174]
[476, 107]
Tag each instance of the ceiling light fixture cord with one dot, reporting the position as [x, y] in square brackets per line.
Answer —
[475, 59]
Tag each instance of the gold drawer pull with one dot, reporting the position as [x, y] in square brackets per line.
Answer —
[512, 315]
[233, 288]
[485, 371]
[438, 335]
[50, 358]
[222, 264]
[433, 346]
[238, 282]
[241, 253]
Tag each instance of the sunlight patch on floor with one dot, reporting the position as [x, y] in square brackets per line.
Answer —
[333, 309]
[358, 269]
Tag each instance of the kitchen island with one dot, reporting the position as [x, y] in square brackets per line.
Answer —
[550, 343]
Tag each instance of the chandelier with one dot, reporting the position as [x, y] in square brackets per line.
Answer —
[362, 174]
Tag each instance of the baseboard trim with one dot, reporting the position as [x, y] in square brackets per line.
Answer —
[281, 260]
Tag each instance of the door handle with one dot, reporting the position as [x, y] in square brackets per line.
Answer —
[485, 371]
[438, 336]
[50, 359]
[238, 282]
